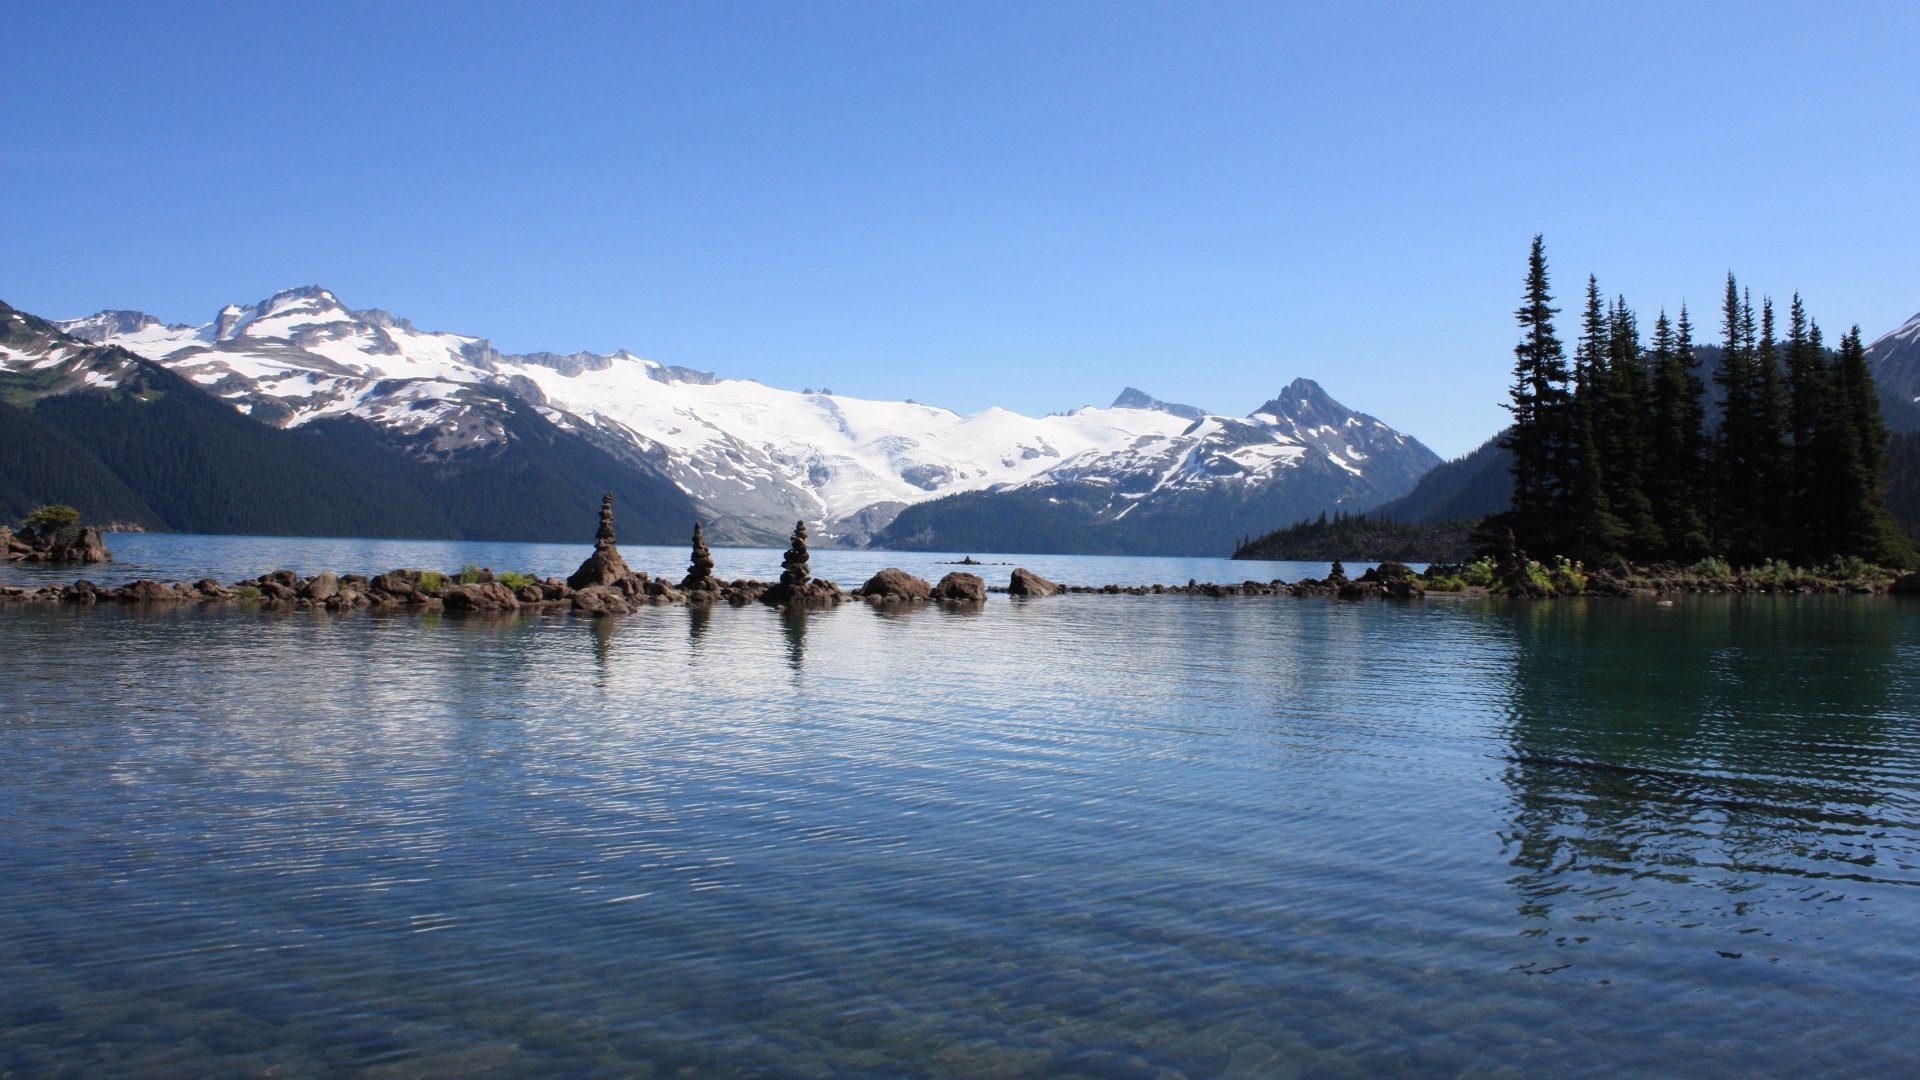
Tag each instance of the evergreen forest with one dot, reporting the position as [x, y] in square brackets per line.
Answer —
[1614, 456]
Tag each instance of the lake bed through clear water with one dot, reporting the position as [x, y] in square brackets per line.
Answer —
[1084, 835]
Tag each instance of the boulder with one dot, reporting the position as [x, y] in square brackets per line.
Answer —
[145, 591]
[600, 600]
[396, 582]
[323, 587]
[1027, 583]
[479, 596]
[894, 583]
[1906, 585]
[660, 592]
[82, 544]
[958, 586]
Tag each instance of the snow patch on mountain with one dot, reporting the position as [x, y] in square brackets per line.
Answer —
[754, 455]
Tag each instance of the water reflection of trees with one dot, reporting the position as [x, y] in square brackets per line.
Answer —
[1738, 746]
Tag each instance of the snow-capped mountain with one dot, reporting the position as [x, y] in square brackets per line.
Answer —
[1895, 357]
[753, 457]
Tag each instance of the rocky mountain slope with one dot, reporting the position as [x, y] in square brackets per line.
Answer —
[755, 458]
[1895, 357]
[125, 439]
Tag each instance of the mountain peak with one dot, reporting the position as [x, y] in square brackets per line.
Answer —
[102, 325]
[1134, 398]
[314, 303]
[1304, 400]
[1907, 333]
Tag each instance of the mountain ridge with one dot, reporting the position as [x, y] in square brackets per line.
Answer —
[754, 457]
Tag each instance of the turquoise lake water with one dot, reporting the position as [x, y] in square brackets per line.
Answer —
[1085, 835]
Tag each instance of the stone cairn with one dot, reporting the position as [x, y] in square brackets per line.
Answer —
[797, 585]
[605, 566]
[700, 568]
[794, 572]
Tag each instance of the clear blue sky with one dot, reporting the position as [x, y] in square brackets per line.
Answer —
[1023, 204]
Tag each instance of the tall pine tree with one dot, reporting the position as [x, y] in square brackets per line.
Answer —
[1677, 441]
[1540, 437]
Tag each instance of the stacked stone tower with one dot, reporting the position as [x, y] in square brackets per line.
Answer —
[700, 568]
[605, 566]
[794, 572]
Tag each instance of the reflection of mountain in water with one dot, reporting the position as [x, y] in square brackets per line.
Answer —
[1674, 749]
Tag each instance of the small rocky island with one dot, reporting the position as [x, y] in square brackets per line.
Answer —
[605, 585]
[53, 534]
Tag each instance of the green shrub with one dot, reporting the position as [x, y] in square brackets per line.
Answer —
[514, 580]
[57, 522]
[472, 575]
[1851, 569]
[1445, 583]
[1712, 568]
[1538, 577]
[1776, 575]
[1478, 572]
[1568, 578]
[430, 582]
[247, 592]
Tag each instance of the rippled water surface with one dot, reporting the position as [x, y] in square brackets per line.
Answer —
[1105, 836]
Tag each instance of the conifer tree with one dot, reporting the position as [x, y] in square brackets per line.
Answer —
[1770, 452]
[1624, 445]
[1541, 406]
[1736, 511]
[1858, 487]
[1677, 442]
[1806, 387]
[1589, 531]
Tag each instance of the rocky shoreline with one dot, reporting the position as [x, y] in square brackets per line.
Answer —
[605, 585]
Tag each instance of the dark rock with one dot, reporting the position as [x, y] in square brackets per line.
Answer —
[276, 591]
[145, 591]
[396, 582]
[65, 544]
[530, 594]
[480, 596]
[660, 592]
[1906, 585]
[959, 586]
[894, 583]
[600, 600]
[1027, 583]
